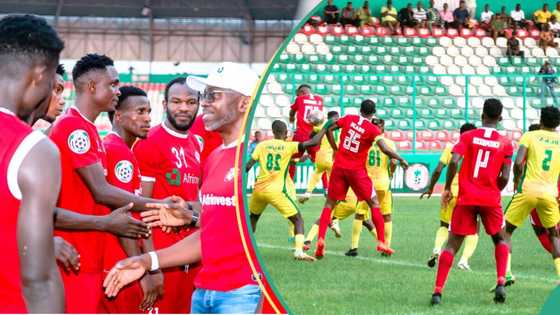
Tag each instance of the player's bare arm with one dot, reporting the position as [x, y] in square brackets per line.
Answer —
[519, 165]
[451, 172]
[117, 222]
[66, 255]
[316, 140]
[433, 180]
[292, 116]
[390, 153]
[330, 135]
[186, 251]
[41, 283]
[504, 173]
[107, 194]
[250, 164]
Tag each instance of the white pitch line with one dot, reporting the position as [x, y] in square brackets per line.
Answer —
[405, 263]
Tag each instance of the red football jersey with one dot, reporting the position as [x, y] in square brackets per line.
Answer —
[356, 137]
[122, 172]
[303, 105]
[212, 139]
[484, 152]
[172, 161]
[80, 145]
[15, 143]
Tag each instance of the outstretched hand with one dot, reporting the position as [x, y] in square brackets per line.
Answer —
[124, 272]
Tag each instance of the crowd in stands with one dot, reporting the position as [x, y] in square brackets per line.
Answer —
[496, 24]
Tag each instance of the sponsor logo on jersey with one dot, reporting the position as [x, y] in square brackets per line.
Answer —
[213, 200]
[78, 141]
[124, 171]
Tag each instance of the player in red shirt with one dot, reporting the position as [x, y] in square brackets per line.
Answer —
[131, 121]
[170, 165]
[305, 103]
[29, 279]
[84, 186]
[226, 283]
[485, 168]
[349, 170]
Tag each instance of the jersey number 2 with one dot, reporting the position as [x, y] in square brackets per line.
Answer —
[547, 159]
[273, 162]
[482, 158]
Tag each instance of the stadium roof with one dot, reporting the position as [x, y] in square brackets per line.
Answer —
[244, 9]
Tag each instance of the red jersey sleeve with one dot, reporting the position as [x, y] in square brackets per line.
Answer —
[295, 105]
[461, 146]
[341, 122]
[77, 142]
[148, 161]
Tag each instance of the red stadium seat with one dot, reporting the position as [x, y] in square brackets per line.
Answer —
[515, 135]
[337, 30]
[367, 31]
[323, 29]
[438, 32]
[442, 135]
[425, 135]
[535, 33]
[381, 31]
[467, 32]
[508, 32]
[454, 136]
[404, 146]
[480, 33]
[521, 33]
[396, 135]
[435, 145]
[308, 29]
[424, 32]
[409, 32]
[351, 30]
[452, 33]
[420, 145]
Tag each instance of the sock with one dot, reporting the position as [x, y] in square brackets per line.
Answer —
[441, 237]
[470, 245]
[298, 243]
[545, 242]
[377, 219]
[312, 233]
[388, 232]
[557, 265]
[356, 230]
[325, 180]
[324, 222]
[501, 253]
[313, 180]
[444, 266]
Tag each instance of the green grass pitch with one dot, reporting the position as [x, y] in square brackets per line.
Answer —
[402, 284]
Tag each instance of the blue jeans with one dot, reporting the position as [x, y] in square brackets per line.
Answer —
[550, 88]
[243, 300]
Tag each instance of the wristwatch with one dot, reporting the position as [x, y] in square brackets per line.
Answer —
[194, 218]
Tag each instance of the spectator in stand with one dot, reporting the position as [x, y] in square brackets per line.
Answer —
[554, 26]
[499, 24]
[542, 17]
[363, 15]
[406, 17]
[518, 17]
[389, 17]
[434, 19]
[546, 38]
[331, 13]
[486, 18]
[461, 16]
[347, 17]
[513, 46]
[420, 15]
[556, 11]
[548, 81]
[446, 16]
[257, 140]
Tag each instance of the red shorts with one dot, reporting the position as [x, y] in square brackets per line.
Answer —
[535, 218]
[299, 137]
[464, 221]
[83, 292]
[341, 179]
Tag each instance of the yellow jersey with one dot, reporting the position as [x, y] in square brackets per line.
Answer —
[543, 162]
[274, 157]
[325, 153]
[541, 16]
[378, 165]
[445, 158]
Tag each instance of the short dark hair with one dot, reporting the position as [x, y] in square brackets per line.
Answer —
[332, 113]
[534, 127]
[90, 62]
[28, 37]
[302, 86]
[126, 92]
[550, 117]
[367, 107]
[378, 121]
[60, 70]
[466, 127]
[178, 80]
[279, 127]
[492, 108]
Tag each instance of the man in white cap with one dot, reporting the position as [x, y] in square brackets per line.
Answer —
[226, 283]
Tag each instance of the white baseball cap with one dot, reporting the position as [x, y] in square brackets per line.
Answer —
[227, 75]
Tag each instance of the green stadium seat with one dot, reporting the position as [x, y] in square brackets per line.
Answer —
[321, 89]
[420, 124]
[360, 40]
[365, 50]
[380, 90]
[366, 89]
[336, 89]
[282, 77]
[403, 41]
[382, 113]
[387, 41]
[305, 67]
[396, 90]
[373, 41]
[350, 89]
[403, 125]
[357, 79]
[449, 103]
[329, 79]
[431, 42]
[314, 59]
[441, 113]
[330, 101]
[357, 101]
[284, 58]
[408, 51]
[314, 78]
[289, 88]
[343, 59]
[417, 41]
[299, 58]
[350, 69]
[425, 113]
[319, 68]
[373, 79]
[359, 60]
[381, 50]
[346, 101]
[373, 60]
[330, 39]
[328, 59]
[352, 50]
[365, 69]
[389, 102]
[291, 67]
[397, 113]
[423, 51]
[457, 113]
[344, 39]
[335, 68]
[395, 51]
[433, 125]
[433, 103]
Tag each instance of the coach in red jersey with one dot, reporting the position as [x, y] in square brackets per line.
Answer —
[29, 168]
[131, 121]
[169, 160]
[485, 168]
[226, 283]
[84, 186]
[357, 135]
[305, 103]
